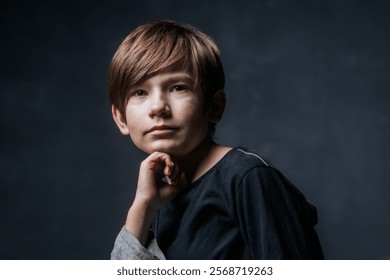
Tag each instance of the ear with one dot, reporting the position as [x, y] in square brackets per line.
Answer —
[217, 106]
[119, 120]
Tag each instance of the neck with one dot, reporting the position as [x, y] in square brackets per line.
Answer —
[193, 164]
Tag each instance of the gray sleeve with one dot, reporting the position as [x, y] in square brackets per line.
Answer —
[127, 247]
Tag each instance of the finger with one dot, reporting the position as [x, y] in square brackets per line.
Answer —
[167, 180]
[171, 173]
[169, 166]
[167, 161]
[173, 177]
[160, 161]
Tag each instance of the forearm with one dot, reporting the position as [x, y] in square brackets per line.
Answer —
[139, 219]
[152, 193]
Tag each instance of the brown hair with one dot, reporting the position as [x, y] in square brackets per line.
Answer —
[157, 45]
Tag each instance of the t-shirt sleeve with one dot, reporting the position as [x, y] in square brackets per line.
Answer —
[274, 217]
[127, 247]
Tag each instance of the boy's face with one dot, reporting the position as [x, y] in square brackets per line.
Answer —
[165, 113]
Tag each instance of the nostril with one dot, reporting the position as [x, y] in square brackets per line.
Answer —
[161, 109]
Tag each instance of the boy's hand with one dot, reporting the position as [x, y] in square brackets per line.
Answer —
[152, 192]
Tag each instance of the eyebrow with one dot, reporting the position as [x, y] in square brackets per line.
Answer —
[175, 78]
[179, 78]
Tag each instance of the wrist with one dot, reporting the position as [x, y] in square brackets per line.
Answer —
[143, 207]
[144, 204]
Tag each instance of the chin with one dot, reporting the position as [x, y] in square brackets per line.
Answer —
[169, 149]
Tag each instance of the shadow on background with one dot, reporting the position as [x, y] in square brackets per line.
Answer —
[307, 86]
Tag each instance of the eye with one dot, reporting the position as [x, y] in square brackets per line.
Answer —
[138, 93]
[179, 88]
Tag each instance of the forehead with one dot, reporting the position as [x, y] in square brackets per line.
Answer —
[177, 72]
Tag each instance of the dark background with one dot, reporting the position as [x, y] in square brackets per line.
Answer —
[308, 88]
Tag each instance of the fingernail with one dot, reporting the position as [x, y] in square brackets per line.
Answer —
[169, 181]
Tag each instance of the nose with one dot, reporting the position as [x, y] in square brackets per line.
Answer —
[159, 106]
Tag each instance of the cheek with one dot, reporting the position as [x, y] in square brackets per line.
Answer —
[134, 125]
[191, 109]
[134, 114]
[198, 121]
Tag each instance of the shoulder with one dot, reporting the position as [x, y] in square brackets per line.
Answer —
[247, 169]
[245, 155]
[252, 180]
[240, 160]
[229, 171]
[237, 164]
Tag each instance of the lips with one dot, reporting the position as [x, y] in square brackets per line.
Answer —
[161, 128]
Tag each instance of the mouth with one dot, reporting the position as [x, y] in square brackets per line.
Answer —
[162, 129]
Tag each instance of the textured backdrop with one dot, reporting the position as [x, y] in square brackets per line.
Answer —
[308, 87]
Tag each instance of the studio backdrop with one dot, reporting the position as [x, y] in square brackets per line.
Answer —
[308, 88]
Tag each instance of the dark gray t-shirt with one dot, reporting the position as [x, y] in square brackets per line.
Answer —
[242, 208]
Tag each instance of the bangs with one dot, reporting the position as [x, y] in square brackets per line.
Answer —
[158, 50]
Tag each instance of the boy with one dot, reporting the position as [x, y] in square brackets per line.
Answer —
[196, 199]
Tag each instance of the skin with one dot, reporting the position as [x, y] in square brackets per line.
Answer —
[165, 118]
